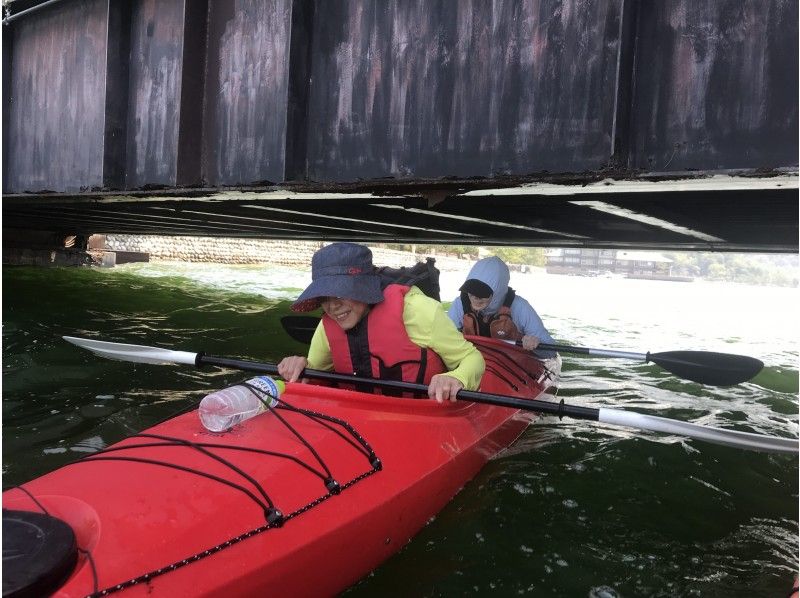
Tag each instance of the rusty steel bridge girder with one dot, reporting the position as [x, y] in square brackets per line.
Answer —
[429, 120]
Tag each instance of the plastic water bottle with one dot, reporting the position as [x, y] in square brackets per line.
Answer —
[227, 407]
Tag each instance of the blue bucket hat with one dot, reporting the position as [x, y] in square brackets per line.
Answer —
[341, 270]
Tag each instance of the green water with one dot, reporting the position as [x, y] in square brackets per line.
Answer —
[572, 509]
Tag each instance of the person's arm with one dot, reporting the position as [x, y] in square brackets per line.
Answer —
[529, 324]
[429, 326]
[456, 313]
[319, 357]
[319, 352]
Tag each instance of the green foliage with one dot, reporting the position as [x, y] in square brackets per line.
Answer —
[774, 270]
[763, 269]
[454, 250]
[528, 256]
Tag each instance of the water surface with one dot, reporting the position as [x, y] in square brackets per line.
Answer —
[573, 509]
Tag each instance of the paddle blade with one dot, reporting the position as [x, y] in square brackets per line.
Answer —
[735, 438]
[300, 328]
[707, 367]
[134, 353]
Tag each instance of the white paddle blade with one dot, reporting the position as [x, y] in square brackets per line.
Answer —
[747, 440]
[134, 353]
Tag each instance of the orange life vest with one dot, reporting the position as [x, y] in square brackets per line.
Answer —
[379, 346]
[499, 325]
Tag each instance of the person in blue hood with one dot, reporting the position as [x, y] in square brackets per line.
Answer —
[487, 306]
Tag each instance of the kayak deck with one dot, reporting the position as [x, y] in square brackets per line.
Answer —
[277, 507]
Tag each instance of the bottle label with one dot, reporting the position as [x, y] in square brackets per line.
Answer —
[269, 387]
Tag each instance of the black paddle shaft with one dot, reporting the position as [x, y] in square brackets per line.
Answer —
[534, 405]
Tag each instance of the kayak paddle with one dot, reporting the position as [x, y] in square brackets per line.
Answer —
[746, 440]
[300, 328]
[706, 367]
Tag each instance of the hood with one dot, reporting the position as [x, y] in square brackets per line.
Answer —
[493, 272]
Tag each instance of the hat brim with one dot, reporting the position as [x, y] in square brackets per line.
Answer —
[476, 287]
[363, 288]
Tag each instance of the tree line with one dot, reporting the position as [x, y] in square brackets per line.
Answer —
[762, 269]
[746, 268]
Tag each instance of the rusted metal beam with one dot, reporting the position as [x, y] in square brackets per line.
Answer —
[193, 77]
[7, 99]
[117, 77]
[299, 90]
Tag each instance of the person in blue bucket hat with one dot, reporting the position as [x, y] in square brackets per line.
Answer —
[391, 333]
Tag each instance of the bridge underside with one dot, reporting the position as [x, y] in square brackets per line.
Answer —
[719, 213]
[624, 123]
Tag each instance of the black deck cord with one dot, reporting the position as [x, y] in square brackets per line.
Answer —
[92, 566]
[507, 370]
[513, 386]
[316, 416]
[549, 372]
[260, 396]
[232, 447]
[365, 448]
[270, 512]
[269, 509]
[362, 447]
[200, 448]
[333, 489]
[33, 498]
[147, 577]
[510, 368]
[272, 522]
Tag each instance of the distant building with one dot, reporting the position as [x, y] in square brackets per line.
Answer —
[598, 262]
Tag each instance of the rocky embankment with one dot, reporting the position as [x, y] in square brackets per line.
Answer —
[255, 251]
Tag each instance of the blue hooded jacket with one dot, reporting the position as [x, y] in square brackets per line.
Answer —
[494, 272]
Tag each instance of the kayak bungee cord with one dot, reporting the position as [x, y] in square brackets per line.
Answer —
[274, 517]
[491, 361]
[496, 354]
[493, 354]
[321, 417]
[493, 370]
[363, 446]
[146, 577]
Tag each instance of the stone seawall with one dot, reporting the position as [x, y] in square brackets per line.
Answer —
[258, 251]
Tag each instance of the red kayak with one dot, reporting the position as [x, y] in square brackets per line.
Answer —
[304, 500]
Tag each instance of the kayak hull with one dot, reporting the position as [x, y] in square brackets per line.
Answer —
[157, 520]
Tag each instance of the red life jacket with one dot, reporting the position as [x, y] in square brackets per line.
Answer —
[379, 346]
[499, 325]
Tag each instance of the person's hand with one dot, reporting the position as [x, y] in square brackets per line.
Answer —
[530, 342]
[443, 387]
[290, 368]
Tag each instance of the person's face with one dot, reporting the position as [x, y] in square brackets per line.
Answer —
[477, 303]
[345, 312]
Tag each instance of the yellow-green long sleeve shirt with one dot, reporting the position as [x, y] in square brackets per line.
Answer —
[428, 326]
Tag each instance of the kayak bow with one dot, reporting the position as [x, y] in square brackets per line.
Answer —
[276, 504]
